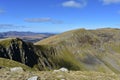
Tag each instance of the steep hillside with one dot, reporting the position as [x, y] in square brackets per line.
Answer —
[18, 50]
[85, 50]
[96, 50]
[26, 53]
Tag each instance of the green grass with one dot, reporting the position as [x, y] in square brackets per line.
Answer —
[5, 42]
[10, 63]
[68, 61]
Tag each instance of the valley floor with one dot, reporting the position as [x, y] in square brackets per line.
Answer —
[51, 75]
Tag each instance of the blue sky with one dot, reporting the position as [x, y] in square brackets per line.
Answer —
[58, 15]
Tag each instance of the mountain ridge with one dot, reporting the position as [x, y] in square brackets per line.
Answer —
[90, 47]
[85, 50]
[26, 36]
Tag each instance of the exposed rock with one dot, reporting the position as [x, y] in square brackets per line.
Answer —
[16, 69]
[18, 50]
[33, 78]
[63, 69]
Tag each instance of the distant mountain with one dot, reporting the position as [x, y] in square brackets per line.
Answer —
[16, 33]
[26, 36]
[85, 50]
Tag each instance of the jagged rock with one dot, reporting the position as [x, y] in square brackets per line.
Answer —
[33, 78]
[63, 69]
[18, 50]
[16, 69]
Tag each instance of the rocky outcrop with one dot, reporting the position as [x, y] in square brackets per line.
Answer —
[26, 53]
[33, 78]
[16, 69]
[61, 70]
[18, 50]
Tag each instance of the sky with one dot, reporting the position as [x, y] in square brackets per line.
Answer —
[58, 15]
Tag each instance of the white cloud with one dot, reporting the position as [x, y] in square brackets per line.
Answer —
[10, 26]
[38, 19]
[75, 4]
[107, 2]
[41, 20]
[6, 25]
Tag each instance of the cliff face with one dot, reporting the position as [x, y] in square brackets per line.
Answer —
[26, 53]
[18, 50]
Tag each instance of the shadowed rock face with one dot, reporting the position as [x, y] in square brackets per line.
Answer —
[26, 53]
[19, 51]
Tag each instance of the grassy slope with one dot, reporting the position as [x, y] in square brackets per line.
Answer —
[5, 42]
[58, 60]
[10, 63]
[96, 50]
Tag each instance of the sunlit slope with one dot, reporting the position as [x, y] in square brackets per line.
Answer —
[10, 64]
[96, 50]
